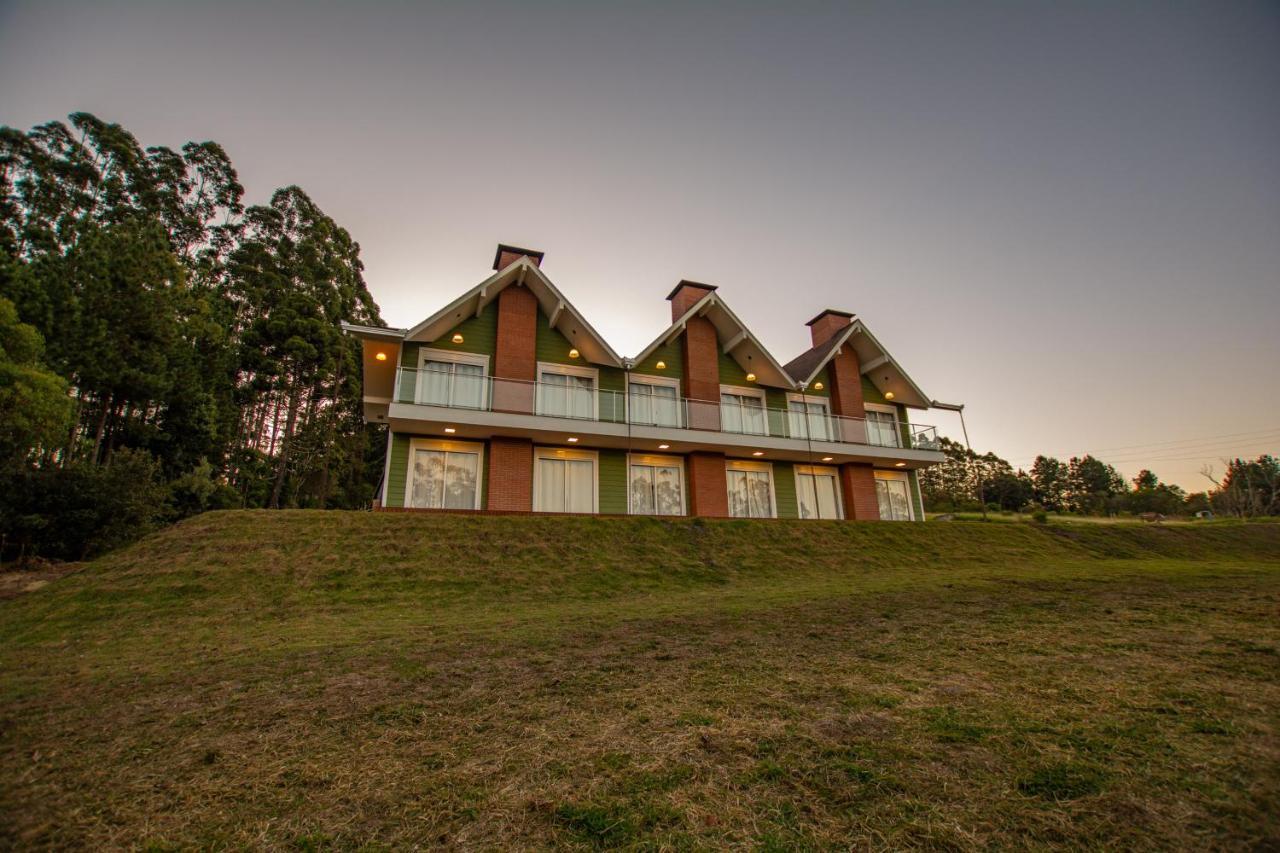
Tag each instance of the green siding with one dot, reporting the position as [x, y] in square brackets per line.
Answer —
[913, 484]
[825, 378]
[612, 475]
[784, 488]
[671, 354]
[871, 394]
[398, 472]
[552, 347]
[479, 336]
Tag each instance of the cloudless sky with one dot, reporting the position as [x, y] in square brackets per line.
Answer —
[1064, 215]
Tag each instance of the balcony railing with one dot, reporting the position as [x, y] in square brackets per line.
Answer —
[577, 398]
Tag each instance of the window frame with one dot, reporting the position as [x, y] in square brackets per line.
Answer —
[901, 476]
[809, 400]
[753, 465]
[443, 446]
[591, 373]
[820, 471]
[571, 455]
[657, 460]
[884, 409]
[426, 354]
[646, 379]
[745, 391]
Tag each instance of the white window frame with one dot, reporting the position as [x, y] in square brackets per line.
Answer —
[902, 476]
[565, 453]
[746, 391]
[753, 465]
[646, 379]
[810, 399]
[426, 354]
[653, 459]
[447, 446]
[591, 373]
[821, 471]
[897, 427]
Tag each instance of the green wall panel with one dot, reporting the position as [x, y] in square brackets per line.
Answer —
[671, 354]
[613, 482]
[913, 484]
[784, 488]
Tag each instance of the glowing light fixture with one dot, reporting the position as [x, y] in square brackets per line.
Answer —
[751, 377]
[758, 453]
[573, 353]
[888, 395]
[817, 386]
[457, 337]
[573, 440]
[662, 365]
[450, 430]
[663, 446]
[827, 458]
[382, 356]
[899, 465]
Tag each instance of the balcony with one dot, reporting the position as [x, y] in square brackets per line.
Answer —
[573, 404]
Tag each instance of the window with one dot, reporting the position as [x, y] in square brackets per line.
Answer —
[443, 475]
[809, 417]
[894, 496]
[564, 481]
[654, 401]
[452, 379]
[882, 426]
[566, 392]
[656, 485]
[818, 492]
[742, 411]
[750, 489]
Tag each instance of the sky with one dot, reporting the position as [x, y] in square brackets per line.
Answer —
[1064, 215]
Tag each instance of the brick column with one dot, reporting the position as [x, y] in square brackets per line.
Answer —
[510, 474]
[514, 356]
[858, 491]
[708, 488]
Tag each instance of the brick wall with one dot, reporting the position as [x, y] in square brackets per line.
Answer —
[514, 351]
[846, 384]
[858, 491]
[685, 296]
[708, 488]
[826, 324]
[510, 474]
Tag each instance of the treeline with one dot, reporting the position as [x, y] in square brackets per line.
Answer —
[1086, 485]
[165, 349]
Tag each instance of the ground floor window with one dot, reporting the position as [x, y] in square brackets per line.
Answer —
[750, 489]
[564, 481]
[818, 492]
[443, 474]
[893, 492]
[656, 485]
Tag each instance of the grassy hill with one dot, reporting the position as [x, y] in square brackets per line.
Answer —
[352, 680]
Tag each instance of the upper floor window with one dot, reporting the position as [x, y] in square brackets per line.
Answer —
[882, 426]
[742, 411]
[452, 379]
[809, 417]
[653, 400]
[566, 391]
[750, 487]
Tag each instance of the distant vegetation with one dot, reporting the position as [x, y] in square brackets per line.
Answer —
[165, 349]
[1088, 486]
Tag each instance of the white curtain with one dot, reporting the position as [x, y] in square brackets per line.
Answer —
[433, 383]
[817, 495]
[655, 489]
[462, 471]
[566, 485]
[566, 396]
[882, 429]
[468, 386]
[654, 404]
[550, 485]
[642, 502]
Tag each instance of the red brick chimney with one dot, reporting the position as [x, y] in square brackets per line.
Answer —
[685, 296]
[823, 327]
[508, 255]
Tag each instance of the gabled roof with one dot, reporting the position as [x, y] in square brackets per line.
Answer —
[737, 341]
[875, 362]
[522, 272]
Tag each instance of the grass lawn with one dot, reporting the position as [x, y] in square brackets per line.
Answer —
[378, 681]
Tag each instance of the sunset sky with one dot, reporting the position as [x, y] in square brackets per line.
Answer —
[1065, 216]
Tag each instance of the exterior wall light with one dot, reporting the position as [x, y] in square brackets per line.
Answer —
[382, 356]
[751, 377]
[817, 386]
[888, 395]
[662, 365]
[573, 353]
[457, 337]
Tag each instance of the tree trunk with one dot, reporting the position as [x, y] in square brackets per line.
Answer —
[283, 461]
[102, 425]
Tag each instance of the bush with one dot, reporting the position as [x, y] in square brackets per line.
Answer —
[81, 510]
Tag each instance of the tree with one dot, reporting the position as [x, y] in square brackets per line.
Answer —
[1049, 483]
[1151, 495]
[1249, 489]
[35, 409]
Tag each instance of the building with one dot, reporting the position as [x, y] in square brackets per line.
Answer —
[508, 400]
